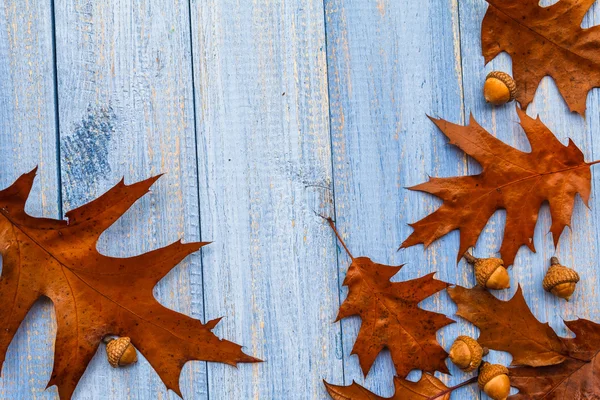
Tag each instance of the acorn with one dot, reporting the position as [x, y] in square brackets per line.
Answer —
[466, 353]
[560, 280]
[493, 380]
[120, 351]
[489, 272]
[499, 88]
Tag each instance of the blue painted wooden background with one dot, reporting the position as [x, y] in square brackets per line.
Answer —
[262, 114]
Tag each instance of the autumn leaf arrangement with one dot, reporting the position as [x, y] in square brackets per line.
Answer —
[542, 41]
[94, 302]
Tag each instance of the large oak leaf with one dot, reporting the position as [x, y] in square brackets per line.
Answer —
[95, 295]
[425, 389]
[514, 180]
[545, 41]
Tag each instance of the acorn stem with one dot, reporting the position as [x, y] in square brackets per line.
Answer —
[452, 389]
[554, 261]
[486, 351]
[107, 339]
[470, 259]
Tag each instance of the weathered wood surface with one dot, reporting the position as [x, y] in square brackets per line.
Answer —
[264, 115]
[28, 138]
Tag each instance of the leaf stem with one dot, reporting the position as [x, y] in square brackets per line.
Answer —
[453, 388]
[578, 359]
[593, 162]
[337, 234]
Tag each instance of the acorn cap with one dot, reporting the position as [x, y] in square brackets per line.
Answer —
[485, 267]
[470, 359]
[558, 274]
[117, 348]
[490, 371]
[507, 80]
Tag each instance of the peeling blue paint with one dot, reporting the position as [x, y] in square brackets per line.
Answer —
[84, 154]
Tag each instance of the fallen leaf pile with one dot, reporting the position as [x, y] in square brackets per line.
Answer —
[95, 295]
[548, 366]
[516, 181]
[545, 41]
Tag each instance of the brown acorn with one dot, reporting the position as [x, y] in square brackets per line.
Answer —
[499, 88]
[493, 380]
[120, 351]
[489, 272]
[560, 280]
[466, 353]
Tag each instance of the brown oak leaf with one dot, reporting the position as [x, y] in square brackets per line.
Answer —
[545, 41]
[391, 317]
[516, 181]
[96, 295]
[553, 367]
[574, 378]
[499, 321]
[427, 387]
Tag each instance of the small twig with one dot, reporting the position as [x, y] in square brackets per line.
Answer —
[337, 234]
[453, 388]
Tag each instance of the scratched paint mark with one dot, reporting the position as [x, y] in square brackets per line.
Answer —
[381, 6]
[85, 155]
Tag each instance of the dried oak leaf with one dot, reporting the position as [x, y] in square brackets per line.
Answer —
[545, 41]
[574, 378]
[513, 180]
[554, 367]
[95, 295]
[499, 321]
[427, 387]
[391, 317]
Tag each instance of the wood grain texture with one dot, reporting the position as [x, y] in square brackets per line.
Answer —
[28, 138]
[126, 110]
[265, 167]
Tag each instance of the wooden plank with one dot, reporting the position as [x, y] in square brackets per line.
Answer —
[126, 109]
[577, 248]
[27, 139]
[390, 64]
[265, 167]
